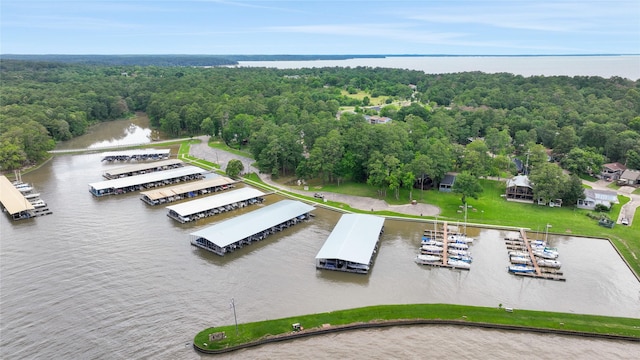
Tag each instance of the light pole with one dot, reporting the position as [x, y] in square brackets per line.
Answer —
[233, 305]
[546, 235]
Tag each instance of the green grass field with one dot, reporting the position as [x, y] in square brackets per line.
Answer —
[249, 332]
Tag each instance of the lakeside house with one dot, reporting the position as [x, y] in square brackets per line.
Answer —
[446, 185]
[612, 171]
[630, 177]
[374, 119]
[593, 198]
[519, 189]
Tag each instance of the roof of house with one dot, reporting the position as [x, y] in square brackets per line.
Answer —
[520, 180]
[449, 179]
[630, 174]
[602, 195]
[616, 166]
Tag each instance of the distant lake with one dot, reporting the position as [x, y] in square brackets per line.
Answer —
[626, 66]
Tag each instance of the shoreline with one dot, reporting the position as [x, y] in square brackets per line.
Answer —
[378, 324]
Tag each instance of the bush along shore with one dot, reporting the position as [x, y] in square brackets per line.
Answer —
[228, 338]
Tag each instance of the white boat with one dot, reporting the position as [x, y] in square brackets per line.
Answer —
[358, 266]
[465, 258]
[520, 260]
[518, 253]
[521, 269]
[549, 263]
[432, 249]
[538, 243]
[546, 254]
[38, 204]
[458, 246]
[432, 242]
[428, 259]
[461, 238]
[458, 252]
[458, 264]
[25, 189]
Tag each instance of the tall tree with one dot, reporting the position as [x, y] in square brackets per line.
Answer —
[467, 185]
[548, 182]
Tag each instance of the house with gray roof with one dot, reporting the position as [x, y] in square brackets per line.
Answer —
[593, 198]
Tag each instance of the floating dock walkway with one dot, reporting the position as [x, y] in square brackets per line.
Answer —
[143, 168]
[255, 226]
[187, 191]
[146, 181]
[137, 155]
[19, 201]
[352, 244]
[530, 268]
[443, 253]
[216, 204]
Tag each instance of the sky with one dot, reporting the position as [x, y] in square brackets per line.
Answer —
[248, 27]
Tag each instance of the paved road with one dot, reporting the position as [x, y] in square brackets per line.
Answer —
[221, 157]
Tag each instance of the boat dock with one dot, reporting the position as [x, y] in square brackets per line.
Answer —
[187, 191]
[527, 261]
[352, 244]
[146, 181]
[445, 248]
[216, 204]
[142, 168]
[136, 155]
[19, 201]
[246, 229]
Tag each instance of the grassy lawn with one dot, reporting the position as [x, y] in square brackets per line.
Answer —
[532, 319]
[217, 144]
[380, 100]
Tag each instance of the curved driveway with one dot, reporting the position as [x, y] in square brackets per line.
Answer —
[203, 151]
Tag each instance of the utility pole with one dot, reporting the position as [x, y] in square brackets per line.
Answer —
[233, 305]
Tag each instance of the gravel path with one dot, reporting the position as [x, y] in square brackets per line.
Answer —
[221, 157]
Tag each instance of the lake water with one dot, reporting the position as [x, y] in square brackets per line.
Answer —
[114, 278]
[626, 66]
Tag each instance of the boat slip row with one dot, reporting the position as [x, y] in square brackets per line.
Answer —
[20, 201]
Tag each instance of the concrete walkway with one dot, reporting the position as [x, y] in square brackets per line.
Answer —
[221, 157]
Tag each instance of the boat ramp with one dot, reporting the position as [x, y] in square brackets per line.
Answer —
[142, 168]
[136, 155]
[533, 258]
[445, 248]
[216, 204]
[235, 233]
[187, 191]
[146, 181]
[352, 244]
[20, 201]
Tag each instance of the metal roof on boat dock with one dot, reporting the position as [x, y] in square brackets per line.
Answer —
[137, 153]
[240, 227]
[147, 178]
[215, 201]
[11, 198]
[114, 173]
[186, 188]
[354, 238]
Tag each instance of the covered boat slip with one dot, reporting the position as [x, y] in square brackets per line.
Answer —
[215, 204]
[146, 181]
[352, 243]
[14, 201]
[143, 168]
[137, 154]
[242, 230]
[186, 191]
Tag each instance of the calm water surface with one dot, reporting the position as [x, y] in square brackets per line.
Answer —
[626, 66]
[114, 278]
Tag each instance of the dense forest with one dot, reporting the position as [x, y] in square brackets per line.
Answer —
[311, 122]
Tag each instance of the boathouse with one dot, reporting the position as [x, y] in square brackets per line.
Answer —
[146, 181]
[352, 244]
[136, 154]
[189, 190]
[242, 230]
[142, 168]
[14, 202]
[215, 204]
